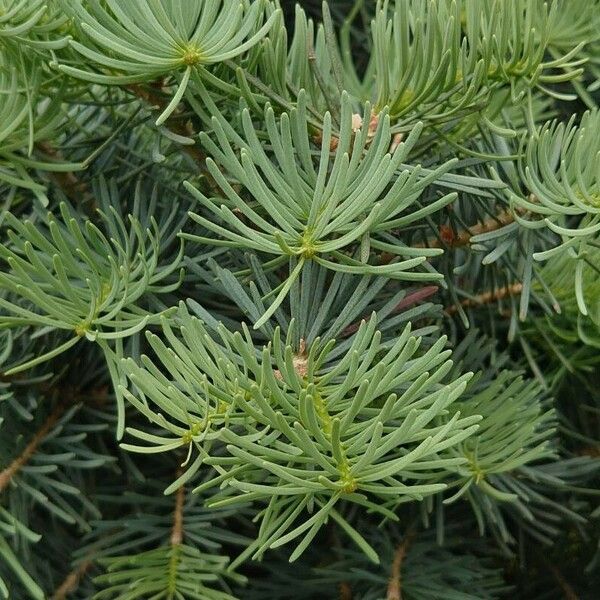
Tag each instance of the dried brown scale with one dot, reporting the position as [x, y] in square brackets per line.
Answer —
[300, 362]
[357, 123]
[396, 141]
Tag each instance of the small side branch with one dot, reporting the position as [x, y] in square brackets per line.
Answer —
[448, 239]
[345, 591]
[591, 450]
[73, 187]
[409, 300]
[177, 531]
[463, 238]
[18, 463]
[565, 586]
[394, 590]
[176, 539]
[71, 581]
[152, 96]
[488, 297]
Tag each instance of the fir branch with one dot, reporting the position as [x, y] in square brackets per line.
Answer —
[301, 213]
[164, 40]
[340, 446]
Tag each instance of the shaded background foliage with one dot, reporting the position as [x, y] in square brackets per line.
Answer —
[144, 454]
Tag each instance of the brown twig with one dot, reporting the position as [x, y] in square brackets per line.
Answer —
[18, 463]
[71, 185]
[463, 238]
[345, 591]
[176, 537]
[177, 531]
[71, 581]
[69, 396]
[486, 298]
[394, 590]
[151, 95]
[565, 586]
[447, 237]
[409, 300]
[74, 188]
[593, 451]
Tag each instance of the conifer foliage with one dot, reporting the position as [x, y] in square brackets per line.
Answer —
[299, 301]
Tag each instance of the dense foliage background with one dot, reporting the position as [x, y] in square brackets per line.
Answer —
[299, 301]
